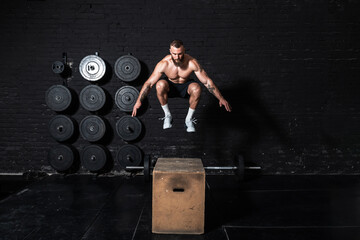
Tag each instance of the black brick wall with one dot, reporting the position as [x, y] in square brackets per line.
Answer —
[290, 69]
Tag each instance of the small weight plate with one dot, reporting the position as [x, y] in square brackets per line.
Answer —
[125, 98]
[147, 168]
[92, 98]
[92, 68]
[58, 67]
[94, 157]
[127, 68]
[61, 128]
[129, 155]
[92, 128]
[61, 157]
[128, 128]
[58, 98]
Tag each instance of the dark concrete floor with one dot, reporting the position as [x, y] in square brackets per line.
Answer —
[261, 207]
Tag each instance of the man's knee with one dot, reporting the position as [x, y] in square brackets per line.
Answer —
[162, 86]
[194, 89]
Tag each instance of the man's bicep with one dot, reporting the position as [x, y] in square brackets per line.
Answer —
[202, 76]
[156, 74]
[200, 72]
[153, 79]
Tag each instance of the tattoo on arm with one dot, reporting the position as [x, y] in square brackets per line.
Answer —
[211, 89]
[145, 93]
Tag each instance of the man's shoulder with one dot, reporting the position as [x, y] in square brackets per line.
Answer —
[193, 63]
[162, 64]
[191, 59]
[165, 60]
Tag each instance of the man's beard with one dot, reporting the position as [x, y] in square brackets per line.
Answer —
[178, 62]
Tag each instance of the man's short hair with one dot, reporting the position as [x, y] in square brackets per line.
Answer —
[176, 43]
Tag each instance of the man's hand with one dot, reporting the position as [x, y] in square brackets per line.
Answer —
[224, 103]
[135, 108]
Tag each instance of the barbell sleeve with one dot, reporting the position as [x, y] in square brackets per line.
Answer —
[134, 167]
[230, 168]
[207, 168]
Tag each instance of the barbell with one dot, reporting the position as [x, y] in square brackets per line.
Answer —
[239, 169]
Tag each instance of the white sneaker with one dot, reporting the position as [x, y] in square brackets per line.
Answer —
[167, 121]
[190, 125]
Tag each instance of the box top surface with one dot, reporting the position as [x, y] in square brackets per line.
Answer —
[179, 165]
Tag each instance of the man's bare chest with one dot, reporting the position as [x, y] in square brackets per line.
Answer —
[177, 72]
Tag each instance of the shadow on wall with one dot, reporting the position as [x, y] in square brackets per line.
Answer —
[239, 131]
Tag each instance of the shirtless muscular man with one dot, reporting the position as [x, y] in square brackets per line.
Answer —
[177, 67]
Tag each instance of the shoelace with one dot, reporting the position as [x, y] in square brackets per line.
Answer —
[193, 120]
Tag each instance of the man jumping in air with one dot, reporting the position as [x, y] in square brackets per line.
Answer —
[177, 67]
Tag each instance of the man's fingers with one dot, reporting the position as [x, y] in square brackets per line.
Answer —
[228, 107]
[134, 113]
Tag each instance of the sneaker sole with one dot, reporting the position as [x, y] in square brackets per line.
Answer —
[187, 129]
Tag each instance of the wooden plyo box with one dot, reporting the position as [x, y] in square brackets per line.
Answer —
[178, 197]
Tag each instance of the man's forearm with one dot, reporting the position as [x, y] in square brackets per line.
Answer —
[144, 92]
[214, 90]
